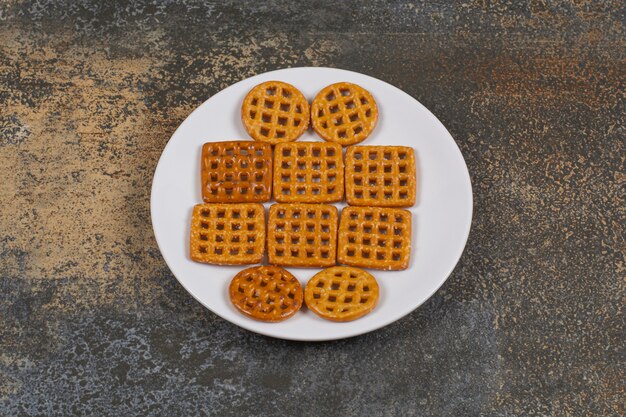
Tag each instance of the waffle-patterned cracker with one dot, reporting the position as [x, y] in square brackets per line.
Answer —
[380, 176]
[266, 293]
[344, 113]
[228, 234]
[308, 172]
[302, 235]
[375, 237]
[236, 172]
[275, 112]
[341, 293]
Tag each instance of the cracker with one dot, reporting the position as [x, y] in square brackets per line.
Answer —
[380, 176]
[374, 237]
[344, 113]
[341, 293]
[308, 172]
[228, 234]
[275, 112]
[302, 235]
[266, 293]
[236, 172]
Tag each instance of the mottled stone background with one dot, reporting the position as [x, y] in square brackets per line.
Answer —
[531, 322]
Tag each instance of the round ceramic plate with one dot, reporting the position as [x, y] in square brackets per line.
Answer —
[441, 216]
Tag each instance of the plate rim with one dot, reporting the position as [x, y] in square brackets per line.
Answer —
[250, 327]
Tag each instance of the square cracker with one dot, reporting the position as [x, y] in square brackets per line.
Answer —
[308, 172]
[383, 176]
[228, 234]
[375, 237]
[302, 235]
[236, 172]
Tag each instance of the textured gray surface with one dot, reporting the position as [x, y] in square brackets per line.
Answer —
[531, 321]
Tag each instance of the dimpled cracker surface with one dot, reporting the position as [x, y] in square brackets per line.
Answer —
[228, 234]
[374, 237]
[344, 113]
[380, 176]
[341, 293]
[266, 293]
[302, 235]
[236, 172]
[308, 172]
[275, 112]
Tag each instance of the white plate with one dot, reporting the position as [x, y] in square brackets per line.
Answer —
[441, 217]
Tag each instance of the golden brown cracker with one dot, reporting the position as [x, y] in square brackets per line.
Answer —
[228, 234]
[341, 293]
[302, 235]
[275, 112]
[383, 176]
[374, 237]
[236, 172]
[308, 172]
[344, 113]
[266, 293]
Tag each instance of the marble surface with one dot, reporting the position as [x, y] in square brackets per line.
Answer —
[531, 322]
